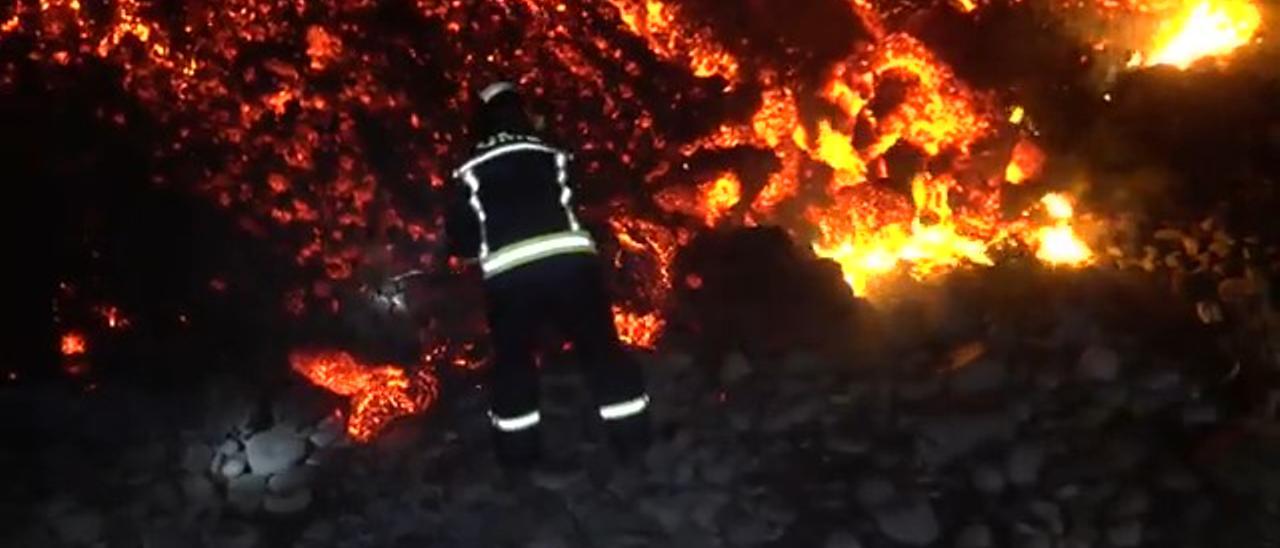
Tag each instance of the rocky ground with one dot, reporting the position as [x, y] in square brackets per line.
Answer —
[1054, 411]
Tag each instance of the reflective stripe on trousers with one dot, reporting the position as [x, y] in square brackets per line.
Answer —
[625, 409]
[515, 424]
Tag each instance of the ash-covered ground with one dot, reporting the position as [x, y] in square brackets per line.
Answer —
[1015, 406]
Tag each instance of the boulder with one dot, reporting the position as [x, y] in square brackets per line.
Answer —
[946, 437]
[975, 535]
[287, 504]
[736, 367]
[291, 480]
[873, 492]
[233, 468]
[80, 527]
[1127, 534]
[910, 522]
[988, 480]
[274, 450]
[842, 539]
[245, 492]
[1099, 363]
[1024, 464]
[198, 490]
[196, 457]
[979, 377]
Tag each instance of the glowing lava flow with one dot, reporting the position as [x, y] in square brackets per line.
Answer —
[1209, 28]
[267, 108]
[378, 394]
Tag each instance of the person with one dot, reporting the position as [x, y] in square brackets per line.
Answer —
[513, 213]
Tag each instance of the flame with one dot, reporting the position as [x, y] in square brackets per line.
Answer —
[1059, 245]
[1058, 206]
[74, 344]
[925, 240]
[1209, 28]
[1177, 33]
[378, 394]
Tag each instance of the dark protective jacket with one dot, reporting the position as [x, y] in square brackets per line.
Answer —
[513, 205]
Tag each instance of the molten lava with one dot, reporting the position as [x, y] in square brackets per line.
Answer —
[319, 127]
[378, 394]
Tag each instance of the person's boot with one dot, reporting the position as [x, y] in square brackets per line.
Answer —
[518, 451]
[630, 438]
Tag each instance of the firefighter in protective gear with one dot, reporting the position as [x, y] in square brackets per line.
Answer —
[514, 213]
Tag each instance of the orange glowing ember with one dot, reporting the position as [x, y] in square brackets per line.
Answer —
[1059, 245]
[638, 330]
[1204, 29]
[669, 36]
[74, 344]
[112, 316]
[720, 196]
[649, 250]
[379, 394]
[711, 201]
[1026, 163]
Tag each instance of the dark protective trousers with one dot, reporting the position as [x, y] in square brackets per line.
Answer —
[566, 292]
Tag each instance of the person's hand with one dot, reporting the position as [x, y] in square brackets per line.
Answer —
[460, 264]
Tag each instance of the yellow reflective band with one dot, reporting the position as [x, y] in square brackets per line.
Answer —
[629, 408]
[534, 249]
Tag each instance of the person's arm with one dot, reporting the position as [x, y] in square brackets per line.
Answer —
[462, 226]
